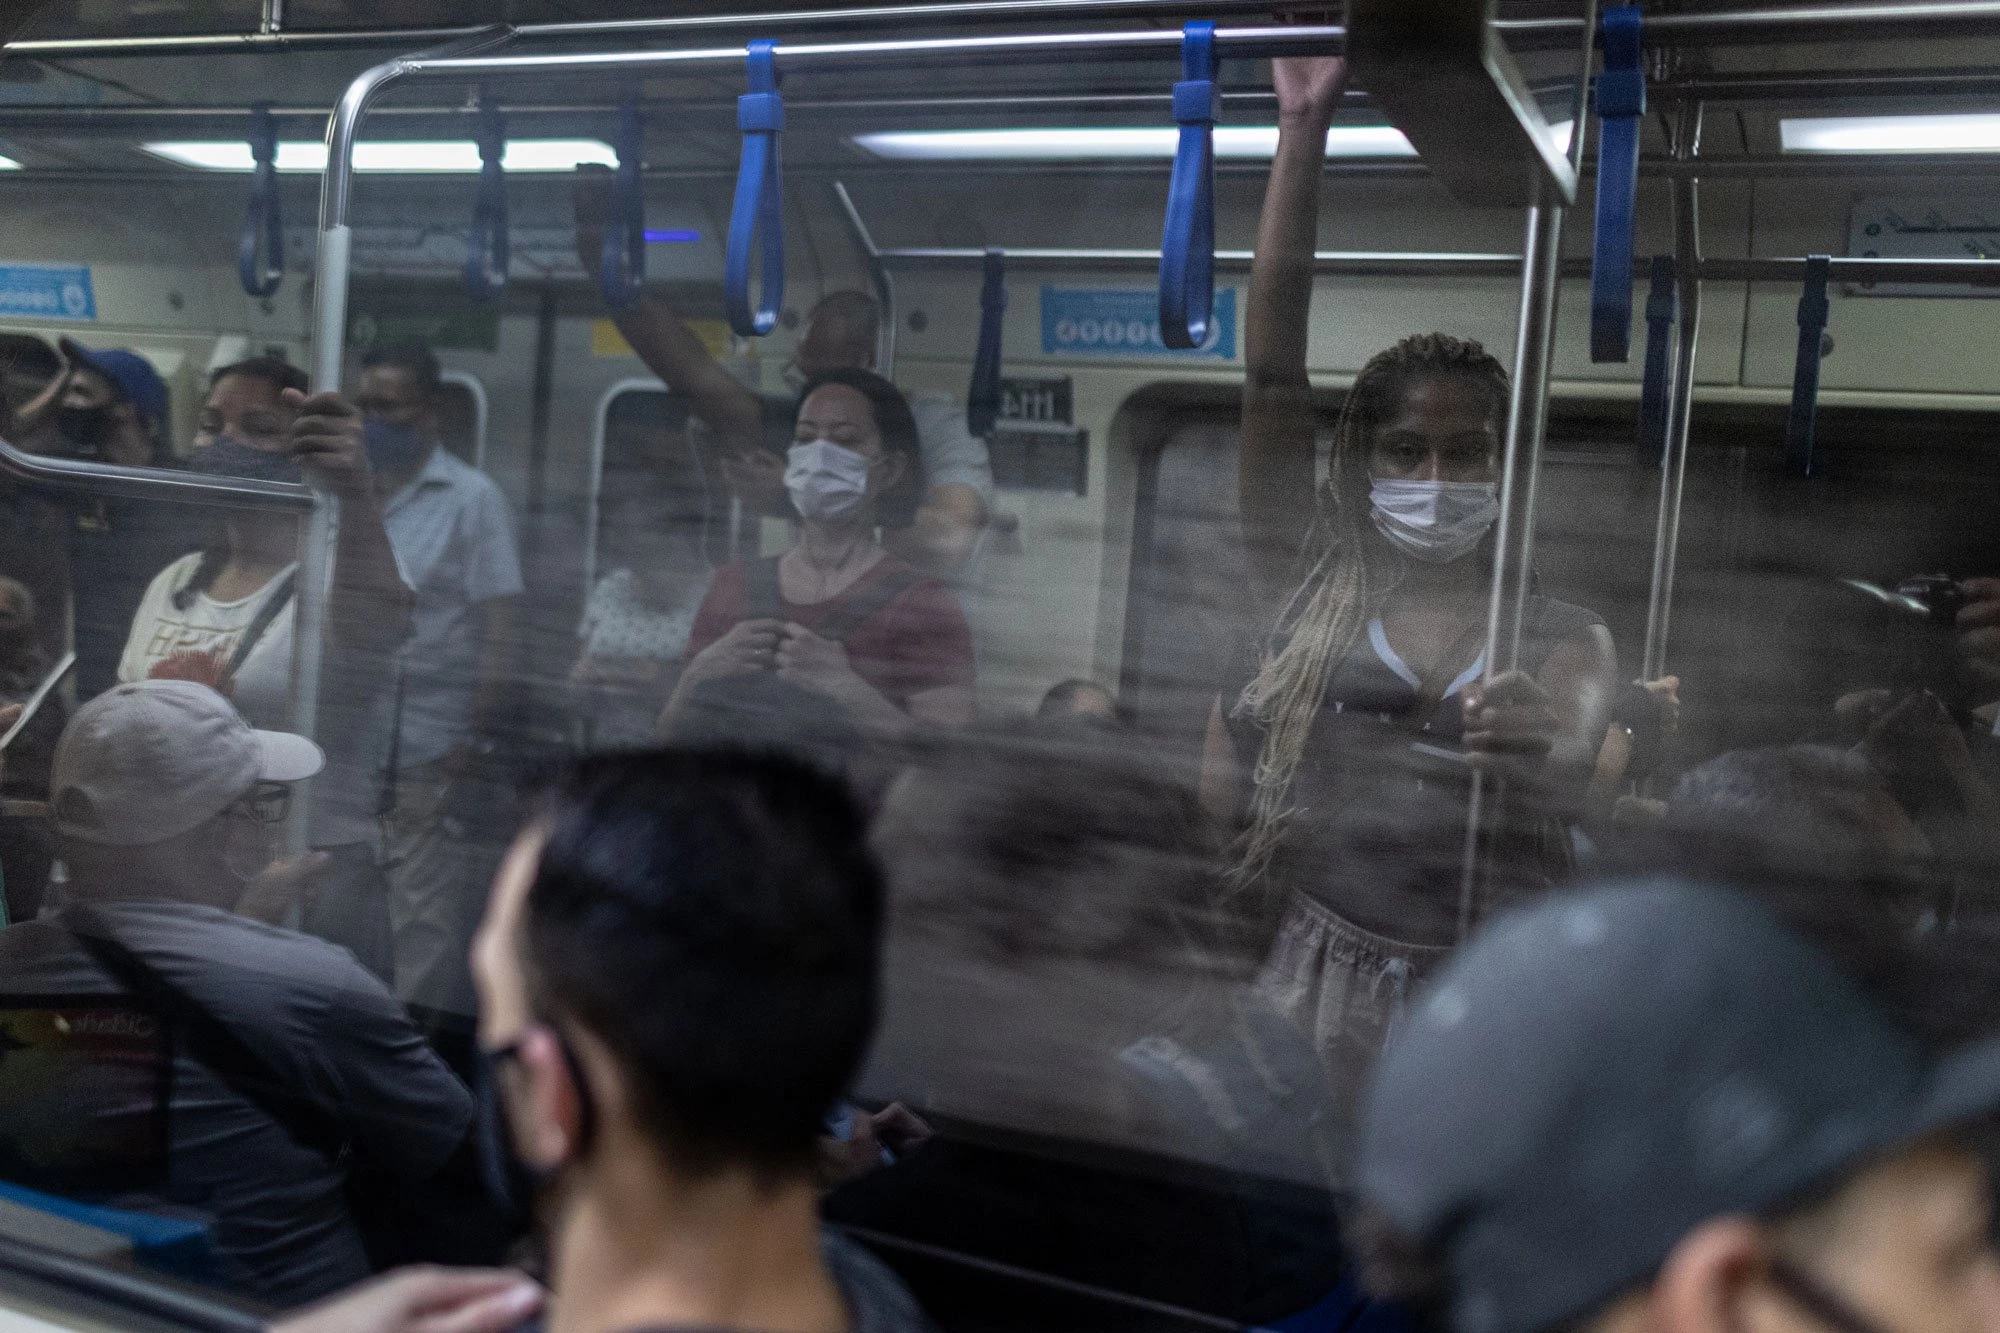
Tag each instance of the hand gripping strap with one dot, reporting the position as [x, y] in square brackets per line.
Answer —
[1621, 104]
[262, 223]
[1662, 309]
[621, 264]
[982, 396]
[1187, 246]
[486, 254]
[757, 221]
[1805, 374]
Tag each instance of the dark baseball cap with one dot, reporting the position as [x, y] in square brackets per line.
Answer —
[1596, 1074]
[131, 374]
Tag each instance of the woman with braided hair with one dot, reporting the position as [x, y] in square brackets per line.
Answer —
[1345, 748]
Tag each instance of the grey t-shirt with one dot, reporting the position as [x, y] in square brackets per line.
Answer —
[318, 1019]
[877, 1300]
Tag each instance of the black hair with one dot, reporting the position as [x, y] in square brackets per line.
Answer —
[26, 353]
[413, 358]
[714, 919]
[895, 508]
[757, 712]
[274, 371]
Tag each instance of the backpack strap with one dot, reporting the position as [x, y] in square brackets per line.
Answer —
[269, 612]
[210, 1040]
[858, 609]
[761, 600]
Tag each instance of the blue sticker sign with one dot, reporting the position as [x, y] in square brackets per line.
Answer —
[46, 291]
[1110, 321]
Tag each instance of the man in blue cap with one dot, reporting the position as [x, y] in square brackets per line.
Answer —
[1650, 1106]
[110, 406]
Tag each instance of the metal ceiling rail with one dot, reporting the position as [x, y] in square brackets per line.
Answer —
[1793, 23]
[208, 43]
[1396, 264]
[147, 483]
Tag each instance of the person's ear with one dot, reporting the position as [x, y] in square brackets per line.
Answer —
[895, 466]
[1716, 1280]
[548, 1124]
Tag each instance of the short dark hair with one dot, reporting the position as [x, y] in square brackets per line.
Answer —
[898, 428]
[274, 371]
[714, 918]
[413, 358]
[1782, 809]
[29, 355]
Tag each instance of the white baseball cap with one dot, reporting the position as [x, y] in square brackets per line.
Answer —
[145, 762]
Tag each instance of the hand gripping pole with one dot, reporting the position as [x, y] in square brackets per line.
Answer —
[262, 224]
[1187, 247]
[982, 396]
[1621, 108]
[757, 221]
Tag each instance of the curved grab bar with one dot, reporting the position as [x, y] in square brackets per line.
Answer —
[757, 221]
[1813, 310]
[1663, 304]
[621, 263]
[486, 252]
[982, 396]
[1187, 246]
[151, 483]
[1621, 108]
[263, 225]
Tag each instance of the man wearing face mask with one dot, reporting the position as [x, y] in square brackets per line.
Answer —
[454, 538]
[163, 799]
[1346, 745]
[109, 406]
[677, 980]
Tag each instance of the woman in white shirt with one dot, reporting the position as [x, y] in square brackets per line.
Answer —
[224, 615]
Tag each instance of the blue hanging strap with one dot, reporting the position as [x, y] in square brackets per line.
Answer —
[1187, 247]
[486, 253]
[262, 223]
[621, 263]
[757, 222]
[982, 397]
[1662, 310]
[1805, 374]
[1621, 104]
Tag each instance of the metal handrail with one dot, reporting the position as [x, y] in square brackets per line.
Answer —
[151, 483]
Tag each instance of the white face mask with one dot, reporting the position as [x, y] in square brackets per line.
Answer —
[1434, 521]
[826, 481]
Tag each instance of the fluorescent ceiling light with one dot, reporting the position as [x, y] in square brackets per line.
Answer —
[1239, 141]
[671, 236]
[9, 164]
[1891, 134]
[406, 155]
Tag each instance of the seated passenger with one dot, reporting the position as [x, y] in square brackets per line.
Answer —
[224, 616]
[634, 635]
[837, 614]
[1060, 964]
[840, 334]
[677, 980]
[1650, 1107]
[292, 1069]
[1348, 748]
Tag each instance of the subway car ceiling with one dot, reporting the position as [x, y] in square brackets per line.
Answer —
[159, 239]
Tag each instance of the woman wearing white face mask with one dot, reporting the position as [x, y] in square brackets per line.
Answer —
[1345, 746]
[837, 614]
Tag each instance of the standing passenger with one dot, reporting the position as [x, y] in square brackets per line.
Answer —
[677, 980]
[1352, 739]
[837, 614]
[1650, 1107]
[454, 539]
[841, 334]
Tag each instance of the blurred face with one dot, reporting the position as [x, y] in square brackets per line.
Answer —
[830, 345]
[844, 416]
[392, 394]
[87, 388]
[1905, 1246]
[1443, 430]
[249, 410]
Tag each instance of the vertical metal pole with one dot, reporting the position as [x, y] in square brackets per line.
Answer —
[1680, 403]
[272, 20]
[1521, 463]
[878, 273]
